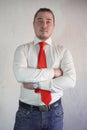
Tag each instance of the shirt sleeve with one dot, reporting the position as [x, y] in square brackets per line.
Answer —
[25, 74]
[67, 80]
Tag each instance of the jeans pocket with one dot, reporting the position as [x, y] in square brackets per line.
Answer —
[21, 120]
[22, 113]
[59, 111]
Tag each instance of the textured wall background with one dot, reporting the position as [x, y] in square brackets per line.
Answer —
[16, 28]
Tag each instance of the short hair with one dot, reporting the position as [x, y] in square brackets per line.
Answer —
[45, 10]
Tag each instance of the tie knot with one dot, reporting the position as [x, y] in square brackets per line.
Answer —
[42, 44]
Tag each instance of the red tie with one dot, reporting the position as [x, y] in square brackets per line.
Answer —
[45, 94]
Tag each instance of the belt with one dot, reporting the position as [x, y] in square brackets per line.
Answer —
[41, 108]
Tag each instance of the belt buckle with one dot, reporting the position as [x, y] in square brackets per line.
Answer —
[43, 108]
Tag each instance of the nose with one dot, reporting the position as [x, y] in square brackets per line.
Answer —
[44, 24]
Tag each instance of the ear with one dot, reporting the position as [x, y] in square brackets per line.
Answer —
[54, 25]
[33, 23]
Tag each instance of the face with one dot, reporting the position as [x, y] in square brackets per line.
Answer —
[43, 25]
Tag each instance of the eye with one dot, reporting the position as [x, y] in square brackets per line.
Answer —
[48, 21]
[40, 20]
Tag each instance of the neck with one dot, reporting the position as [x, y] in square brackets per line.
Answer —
[37, 40]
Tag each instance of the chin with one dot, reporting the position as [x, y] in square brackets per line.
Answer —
[43, 37]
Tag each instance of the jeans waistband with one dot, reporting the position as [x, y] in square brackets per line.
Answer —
[41, 108]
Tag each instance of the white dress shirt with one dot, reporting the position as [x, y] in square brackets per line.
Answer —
[25, 70]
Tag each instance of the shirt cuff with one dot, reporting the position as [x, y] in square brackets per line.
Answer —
[45, 85]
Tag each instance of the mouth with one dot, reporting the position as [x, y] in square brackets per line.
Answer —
[44, 31]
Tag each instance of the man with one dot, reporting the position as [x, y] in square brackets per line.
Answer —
[43, 78]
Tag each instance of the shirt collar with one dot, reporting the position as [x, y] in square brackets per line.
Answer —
[37, 40]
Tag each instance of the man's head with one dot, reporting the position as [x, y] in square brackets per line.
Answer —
[44, 23]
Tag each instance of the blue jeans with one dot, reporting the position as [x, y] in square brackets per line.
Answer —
[37, 120]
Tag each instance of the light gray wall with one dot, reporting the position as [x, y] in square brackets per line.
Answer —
[16, 28]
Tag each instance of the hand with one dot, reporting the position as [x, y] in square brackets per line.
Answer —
[58, 73]
[28, 86]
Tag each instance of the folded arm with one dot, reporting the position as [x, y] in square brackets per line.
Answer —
[25, 73]
[67, 80]
[48, 79]
[57, 73]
